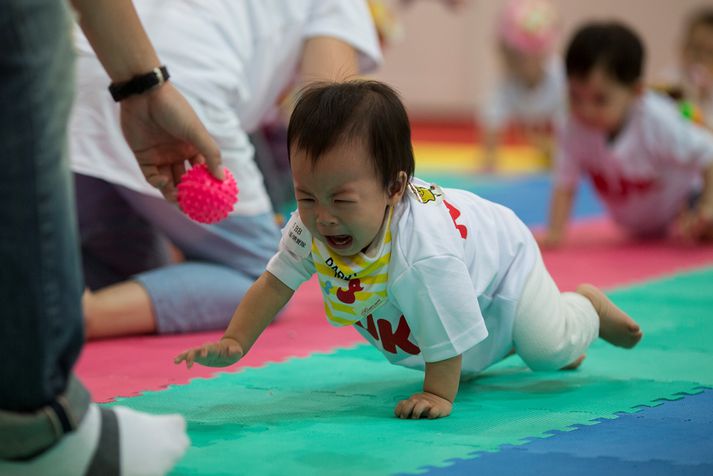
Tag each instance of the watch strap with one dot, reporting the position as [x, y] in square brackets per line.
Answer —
[139, 84]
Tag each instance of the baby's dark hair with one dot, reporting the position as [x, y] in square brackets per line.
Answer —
[327, 114]
[612, 46]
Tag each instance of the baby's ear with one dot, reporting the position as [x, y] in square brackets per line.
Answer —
[397, 188]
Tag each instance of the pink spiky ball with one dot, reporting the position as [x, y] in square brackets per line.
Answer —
[204, 198]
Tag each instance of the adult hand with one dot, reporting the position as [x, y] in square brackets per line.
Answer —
[164, 132]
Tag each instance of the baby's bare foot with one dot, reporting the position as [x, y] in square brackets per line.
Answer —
[615, 326]
[575, 365]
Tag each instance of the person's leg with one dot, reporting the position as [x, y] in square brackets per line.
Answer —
[40, 280]
[553, 330]
[222, 262]
[110, 442]
[116, 242]
[615, 326]
[47, 425]
[241, 242]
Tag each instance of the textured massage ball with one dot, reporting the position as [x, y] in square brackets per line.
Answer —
[204, 198]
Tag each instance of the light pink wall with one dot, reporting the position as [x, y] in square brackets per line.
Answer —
[445, 63]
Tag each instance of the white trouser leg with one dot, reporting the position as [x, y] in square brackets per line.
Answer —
[552, 329]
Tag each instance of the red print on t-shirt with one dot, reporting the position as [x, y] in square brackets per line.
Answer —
[348, 296]
[390, 340]
[455, 213]
[622, 188]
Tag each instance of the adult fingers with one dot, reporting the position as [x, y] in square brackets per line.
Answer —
[169, 187]
[153, 176]
[207, 147]
[177, 170]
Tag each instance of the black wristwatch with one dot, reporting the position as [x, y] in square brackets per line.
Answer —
[139, 84]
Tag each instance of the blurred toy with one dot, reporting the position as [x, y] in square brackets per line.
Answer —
[689, 109]
[204, 198]
[691, 112]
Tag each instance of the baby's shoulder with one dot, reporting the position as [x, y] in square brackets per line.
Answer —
[430, 223]
[658, 113]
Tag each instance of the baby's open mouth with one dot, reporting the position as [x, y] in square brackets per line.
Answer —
[339, 241]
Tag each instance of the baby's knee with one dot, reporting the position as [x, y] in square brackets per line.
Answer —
[543, 359]
[540, 350]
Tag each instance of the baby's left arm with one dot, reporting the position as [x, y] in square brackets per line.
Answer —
[697, 224]
[705, 204]
[439, 391]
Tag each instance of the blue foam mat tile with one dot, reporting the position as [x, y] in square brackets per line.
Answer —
[528, 195]
[679, 431]
[672, 437]
[521, 462]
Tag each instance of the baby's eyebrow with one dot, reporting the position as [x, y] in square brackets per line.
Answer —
[343, 189]
[301, 190]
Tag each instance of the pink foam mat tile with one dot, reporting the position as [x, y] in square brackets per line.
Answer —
[127, 366]
[596, 252]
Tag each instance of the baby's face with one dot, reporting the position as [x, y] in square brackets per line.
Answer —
[600, 102]
[529, 69]
[340, 199]
[698, 56]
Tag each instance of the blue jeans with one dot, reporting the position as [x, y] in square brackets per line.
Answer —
[124, 235]
[41, 329]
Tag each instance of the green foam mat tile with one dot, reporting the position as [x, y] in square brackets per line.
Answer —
[332, 413]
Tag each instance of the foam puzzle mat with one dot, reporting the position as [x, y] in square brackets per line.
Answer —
[331, 413]
[312, 399]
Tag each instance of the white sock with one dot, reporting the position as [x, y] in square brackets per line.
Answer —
[148, 445]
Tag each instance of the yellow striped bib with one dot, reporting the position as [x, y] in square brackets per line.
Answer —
[353, 286]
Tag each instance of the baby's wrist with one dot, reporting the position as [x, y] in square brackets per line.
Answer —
[438, 394]
[233, 339]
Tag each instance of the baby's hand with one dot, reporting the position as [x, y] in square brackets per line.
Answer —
[225, 352]
[423, 405]
[693, 226]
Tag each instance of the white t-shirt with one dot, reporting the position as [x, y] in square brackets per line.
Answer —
[512, 101]
[674, 76]
[646, 175]
[231, 59]
[457, 270]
